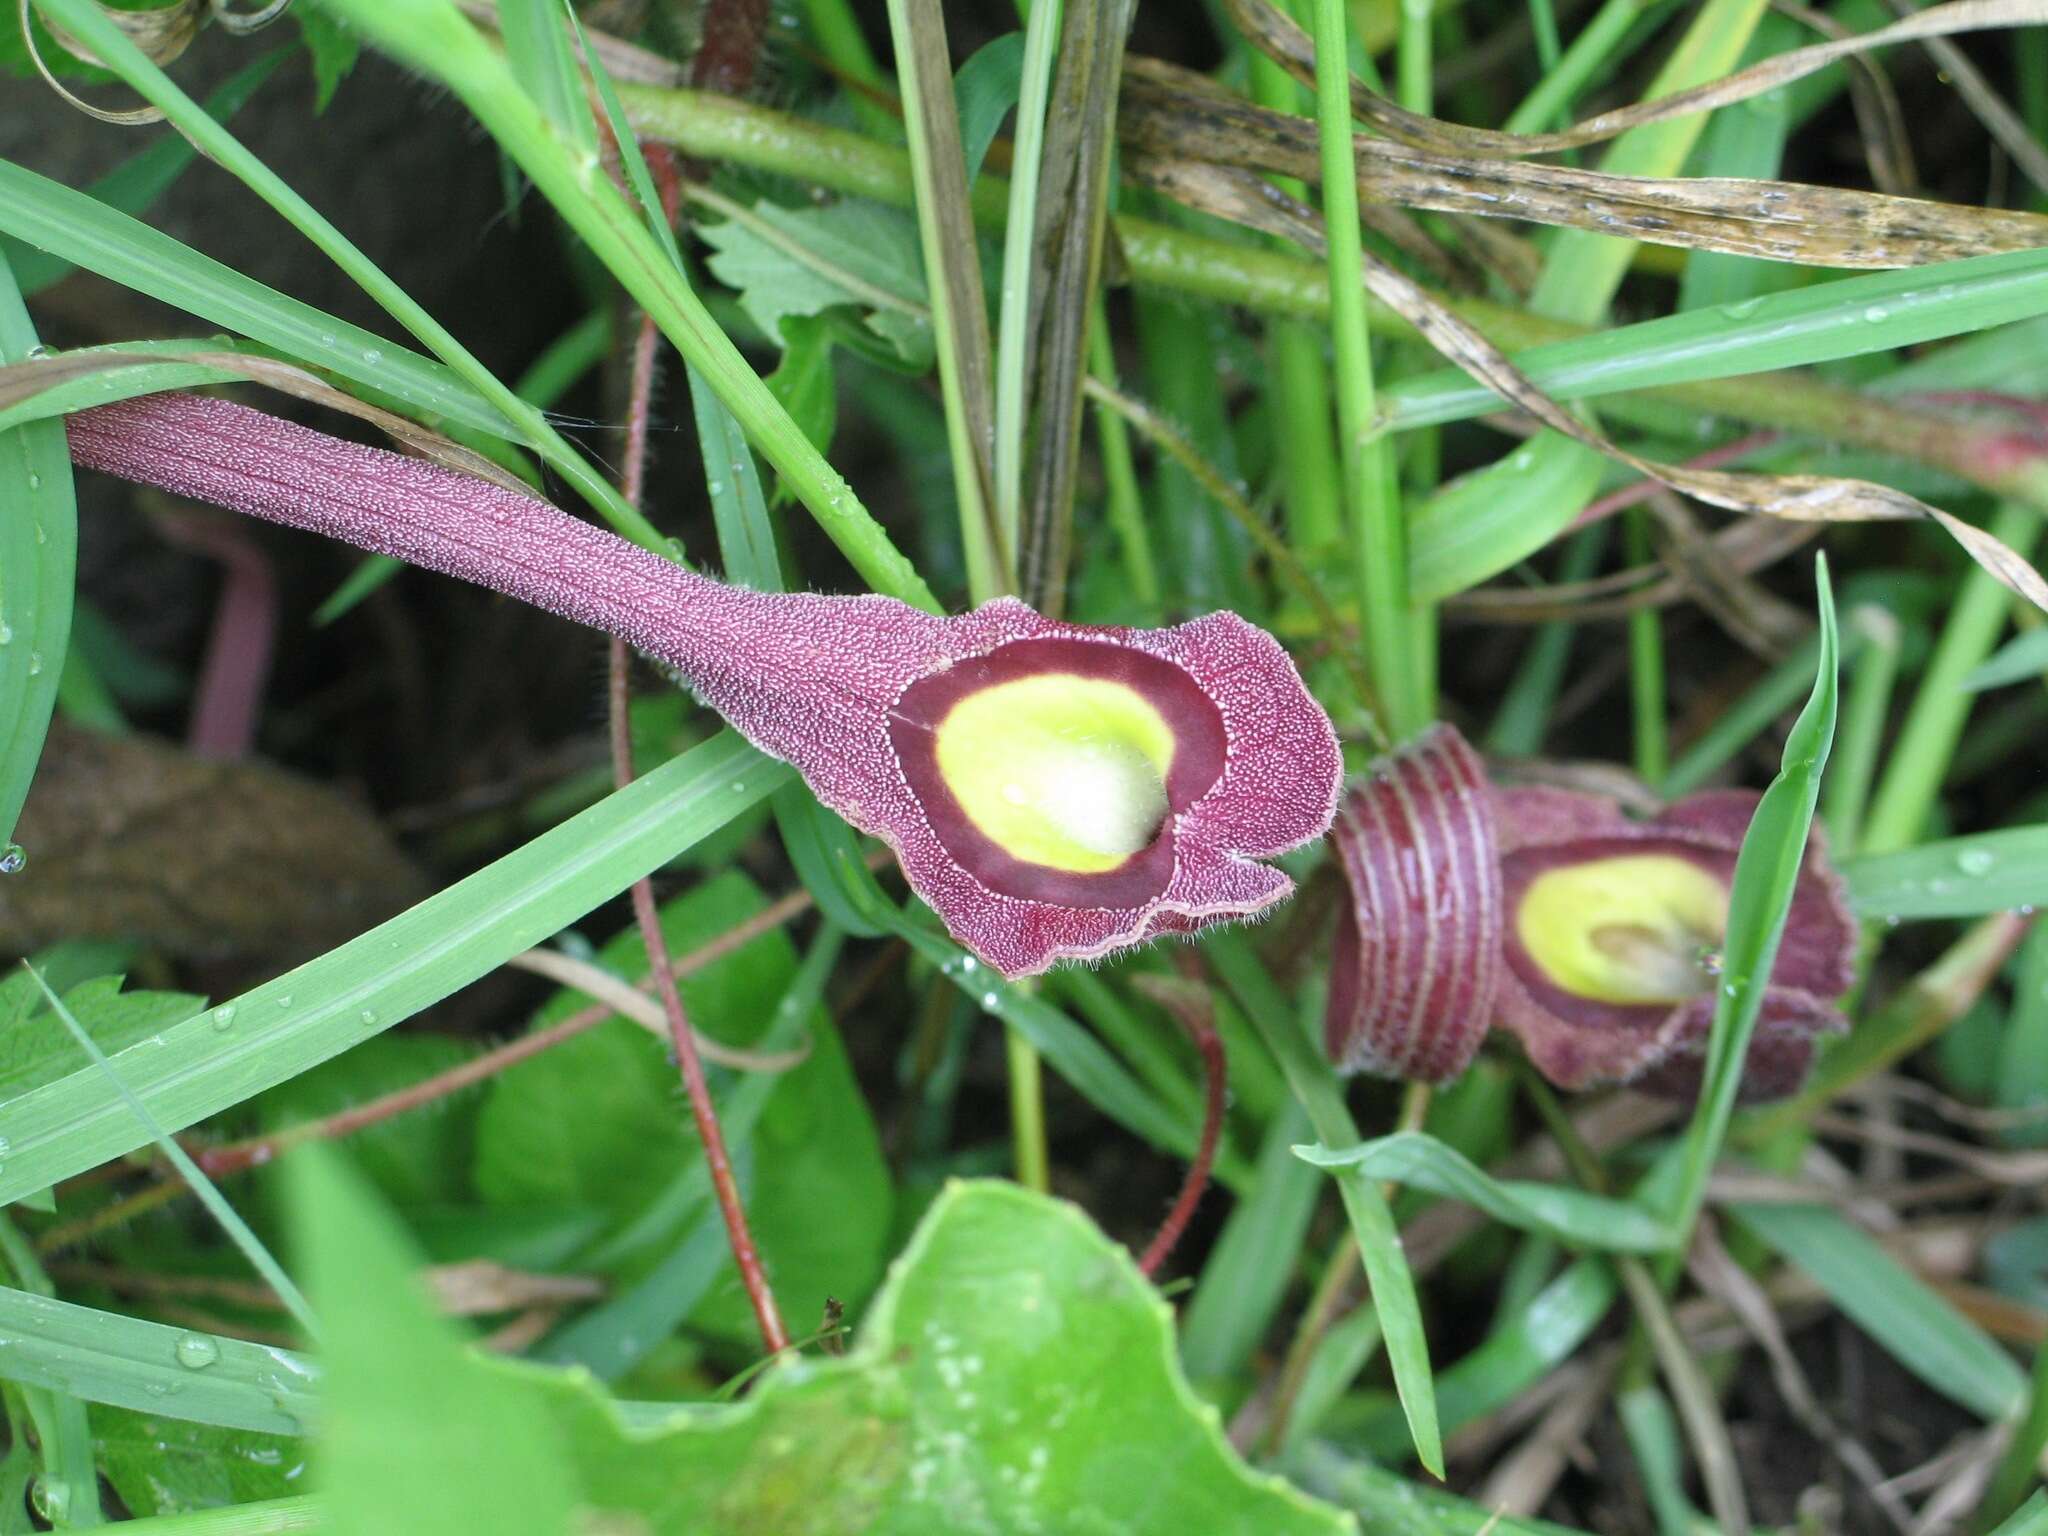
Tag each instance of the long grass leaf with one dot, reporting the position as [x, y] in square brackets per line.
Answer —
[1957, 877]
[1902, 1315]
[365, 986]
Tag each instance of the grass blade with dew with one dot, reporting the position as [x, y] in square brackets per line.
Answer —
[259, 1257]
[386, 975]
[38, 554]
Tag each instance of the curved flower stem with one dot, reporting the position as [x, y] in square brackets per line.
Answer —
[1194, 1008]
[717, 1162]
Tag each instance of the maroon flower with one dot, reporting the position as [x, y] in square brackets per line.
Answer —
[1052, 790]
[1593, 938]
[1614, 938]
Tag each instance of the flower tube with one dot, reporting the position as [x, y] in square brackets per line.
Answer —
[1051, 790]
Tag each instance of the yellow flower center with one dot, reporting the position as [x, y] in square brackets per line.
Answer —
[1639, 928]
[1058, 769]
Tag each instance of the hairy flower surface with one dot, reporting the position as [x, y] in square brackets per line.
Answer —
[1051, 790]
[1594, 938]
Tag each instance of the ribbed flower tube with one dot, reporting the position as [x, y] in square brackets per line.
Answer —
[1051, 790]
[1418, 955]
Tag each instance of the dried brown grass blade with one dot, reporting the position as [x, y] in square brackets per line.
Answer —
[1246, 199]
[1280, 36]
[163, 34]
[1880, 119]
[1775, 220]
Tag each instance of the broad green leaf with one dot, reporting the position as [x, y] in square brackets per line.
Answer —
[1957, 877]
[365, 986]
[973, 1403]
[416, 1433]
[36, 1048]
[417, 1159]
[1902, 1315]
[984, 91]
[161, 1465]
[800, 261]
[597, 1121]
[1571, 1216]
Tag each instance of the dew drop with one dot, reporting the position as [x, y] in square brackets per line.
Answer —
[6, 633]
[35, 663]
[224, 1018]
[989, 1000]
[738, 788]
[35, 481]
[967, 962]
[41, 537]
[1742, 309]
[1976, 861]
[13, 859]
[372, 356]
[1876, 313]
[285, 1001]
[367, 1016]
[196, 1351]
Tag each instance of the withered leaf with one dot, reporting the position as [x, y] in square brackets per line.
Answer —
[1775, 220]
[1249, 200]
[1278, 35]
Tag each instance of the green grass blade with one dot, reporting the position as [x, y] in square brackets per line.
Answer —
[1372, 1222]
[56, 218]
[1760, 898]
[260, 1258]
[2022, 659]
[136, 185]
[112, 47]
[1572, 1216]
[390, 973]
[1907, 1319]
[1243, 1282]
[432, 36]
[1849, 317]
[1527, 1345]
[106, 1357]
[1958, 877]
[38, 553]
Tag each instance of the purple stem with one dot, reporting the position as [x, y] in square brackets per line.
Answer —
[238, 649]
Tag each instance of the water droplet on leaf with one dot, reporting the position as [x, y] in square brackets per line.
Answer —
[196, 1351]
[13, 859]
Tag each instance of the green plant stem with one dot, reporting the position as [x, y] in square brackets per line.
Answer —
[1412, 57]
[959, 323]
[1027, 1111]
[1865, 710]
[1646, 664]
[1274, 282]
[435, 38]
[1919, 759]
[1122, 497]
[1551, 101]
[845, 46]
[1014, 348]
[1372, 498]
[111, 46]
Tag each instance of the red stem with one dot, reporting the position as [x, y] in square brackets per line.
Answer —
[238, 648]
[1193, 1013]
[774, 1336]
